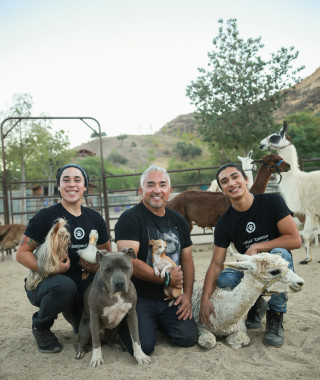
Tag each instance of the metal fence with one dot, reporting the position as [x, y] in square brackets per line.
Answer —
[23, 205]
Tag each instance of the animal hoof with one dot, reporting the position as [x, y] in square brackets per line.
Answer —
[207, 342]
[305, 261]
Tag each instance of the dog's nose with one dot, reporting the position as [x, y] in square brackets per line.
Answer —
[119, 286]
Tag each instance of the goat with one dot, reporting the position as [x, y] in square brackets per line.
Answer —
[301, 190]
[10, 236]
[262, 272]
[205, 208]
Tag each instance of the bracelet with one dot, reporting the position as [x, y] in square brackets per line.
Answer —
[167, 279]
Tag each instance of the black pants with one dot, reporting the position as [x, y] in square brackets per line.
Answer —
[153, 315]
[54, 295]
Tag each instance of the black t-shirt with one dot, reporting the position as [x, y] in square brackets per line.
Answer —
[79, 228]
[139, 224]
[256, 225]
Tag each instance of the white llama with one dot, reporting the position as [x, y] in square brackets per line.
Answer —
[263, 272]
[248, 167]
[301, 190]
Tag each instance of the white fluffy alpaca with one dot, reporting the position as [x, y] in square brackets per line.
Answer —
[262, 272]
[301, 190]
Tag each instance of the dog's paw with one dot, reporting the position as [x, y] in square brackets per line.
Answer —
[139, 355]
[163, 273]
[96, 359]
[156, 271]
[142, 358]
[80, 353]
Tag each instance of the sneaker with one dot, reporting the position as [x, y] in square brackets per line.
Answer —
[46, 340]
[274, 329]
[256, 313]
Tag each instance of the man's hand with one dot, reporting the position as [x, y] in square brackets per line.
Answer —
[206, 309]
[253, 250]
[87, 267]
[176, 277]
[185, 309]
[64, 265]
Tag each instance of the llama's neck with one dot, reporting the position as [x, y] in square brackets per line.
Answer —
[260, 182]
[289, 154]
[250, 177]
[231, 306]
[290, 186]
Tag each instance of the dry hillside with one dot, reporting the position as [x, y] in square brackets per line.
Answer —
[140, 150]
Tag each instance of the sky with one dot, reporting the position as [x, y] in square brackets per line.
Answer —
[127, 63]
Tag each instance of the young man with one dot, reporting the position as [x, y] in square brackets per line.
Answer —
[254, 223]
[152, 220]
[63, 291]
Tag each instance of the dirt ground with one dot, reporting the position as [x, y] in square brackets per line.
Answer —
[298, 358]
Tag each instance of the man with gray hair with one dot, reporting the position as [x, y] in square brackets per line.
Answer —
[135, 228]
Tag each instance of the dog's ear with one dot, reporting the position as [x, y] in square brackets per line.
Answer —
[151, 242]
[56, 227]
[130, 252]
[100, 254]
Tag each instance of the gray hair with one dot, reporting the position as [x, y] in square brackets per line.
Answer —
[154, 168]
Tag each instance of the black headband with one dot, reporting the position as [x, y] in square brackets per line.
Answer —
[83, 171]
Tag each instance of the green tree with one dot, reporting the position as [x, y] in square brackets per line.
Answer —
[92, 165]
[117, 159]
[304, 130]
[236, 95]
[121, 138]
[95, 135]
[33, 151]
[187, 150]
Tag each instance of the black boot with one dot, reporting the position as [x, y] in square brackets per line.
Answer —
[274, 329]
[256, 313]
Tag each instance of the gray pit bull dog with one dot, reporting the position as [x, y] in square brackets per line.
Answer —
[110, 297]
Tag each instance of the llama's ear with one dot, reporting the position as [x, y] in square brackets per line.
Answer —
[243, 262]
[240, 158]
[250, 153]
[284, 129]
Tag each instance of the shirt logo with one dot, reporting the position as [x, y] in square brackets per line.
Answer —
[78, 233]
[251, 227]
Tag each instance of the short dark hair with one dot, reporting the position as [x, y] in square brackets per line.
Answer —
[71, 165]
[229, 165]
